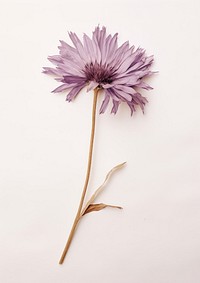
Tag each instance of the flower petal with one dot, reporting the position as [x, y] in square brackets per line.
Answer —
[104, 103]
[55, 59]
[119, 53]
[52, 71]
[125, 88]
[92, 85]
[74, 79]
[73, 93]
[79, 46]
[112, 93]
[62, 88]
[144, 85]
[90, 48]
[115, 106]
[132, 107]
[122, 95]
[127, 80]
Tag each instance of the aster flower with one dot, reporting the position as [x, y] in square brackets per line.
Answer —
[100, 63]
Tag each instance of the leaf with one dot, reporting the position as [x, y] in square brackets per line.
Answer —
[99, 206]
[100, 189]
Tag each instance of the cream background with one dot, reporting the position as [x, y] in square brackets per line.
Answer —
[44, 144]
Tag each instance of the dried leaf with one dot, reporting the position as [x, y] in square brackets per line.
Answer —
[100, 189]
[99, 206]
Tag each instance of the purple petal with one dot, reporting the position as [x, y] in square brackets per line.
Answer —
[143, 73]
[128, 80]
[123, 95]
[132, 107]
[104, 50]
[102, 36]
[98, 52]
[105, 86]
[74, 79]
[141, 98]
[115, 107]
[66, 49]
[74, 92]
[112, 47]
[126, 64]
[51, 71]
[144, 85]
[135, 67]
[70, 67]
[138, 99]
[62, 88]
[70, 53]
[138, 55]
[125, 54]
[79, 46]
[104, 103]
[55, 59]
[113, 94]
[119, 53]
[89, 47]
[125, 89]
[92, 85]
[148, 61]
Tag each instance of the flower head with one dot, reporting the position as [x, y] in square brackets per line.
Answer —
[100, 63]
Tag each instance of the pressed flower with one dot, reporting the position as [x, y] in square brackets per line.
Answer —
[100, 63]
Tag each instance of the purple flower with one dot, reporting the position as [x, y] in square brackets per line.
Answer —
[100, 63]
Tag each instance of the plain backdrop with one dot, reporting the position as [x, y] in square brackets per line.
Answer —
[44, 145]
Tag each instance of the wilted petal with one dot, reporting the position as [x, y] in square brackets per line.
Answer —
[62, 88]
[144, 85]
[105, 49]
[74, 79]
[90, 48]
[123, 95]
[105, 86]
[66, 49]
[138, 99]
[92, 85]
[112, 49]
[55, 59]
[73, 93]
[104, 103]
[115, 106]
[126, 80]
[51, 71]
[113, 94]
[125, 65]
[79, 46]
[98, 51]
[138, 55]
[132, 107]
[126, 89]
[102, 36]
[148, 61]
[119, 53]
[143, 73]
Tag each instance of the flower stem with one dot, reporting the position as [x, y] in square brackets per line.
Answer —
[78, 215]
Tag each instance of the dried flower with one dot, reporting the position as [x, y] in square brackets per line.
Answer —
[100, 63]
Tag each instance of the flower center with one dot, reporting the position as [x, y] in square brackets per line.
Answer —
[100, 74]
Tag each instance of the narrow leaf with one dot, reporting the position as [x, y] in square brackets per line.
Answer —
[99, 206]
[100, 189]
